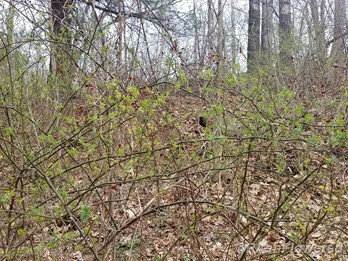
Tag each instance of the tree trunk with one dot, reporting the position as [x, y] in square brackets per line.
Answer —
[234, 41]
[318, 31]
[61, 60]
[338, 45]
[253, 34]
[207, 45]
[266, 31]
[196, 47]
[220, 39]
[121, 32]
[285, 32]
[210, 26]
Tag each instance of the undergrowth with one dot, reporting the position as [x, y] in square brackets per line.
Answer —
[127, 172]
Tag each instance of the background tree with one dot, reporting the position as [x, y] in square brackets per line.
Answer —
[339, 45]
[196, 46]
[285, 32]
[318, 28]
[220, 50]
[209, 35]
[266, 30]
[61, 62]
[253, 34]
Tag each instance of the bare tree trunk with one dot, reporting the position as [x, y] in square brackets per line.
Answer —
[196, 47]
[10, 22]
[220, 38]
[8, 65]
[253, 35]
[234, 41]
[338, 45]
[210, 26]
[120, 39]
[285, 32]
[266, 30]
[61, 60]
[203, 49]
[208, 33]
[60, 48]
[318, 30]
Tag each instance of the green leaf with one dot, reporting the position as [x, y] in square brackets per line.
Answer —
[64, 195]
[169, 62]
[299, 110]
[132, 50]
[223, 139]
[21, 232]
[134, 91]
[85, 212]
[309, 118]
[9, 131]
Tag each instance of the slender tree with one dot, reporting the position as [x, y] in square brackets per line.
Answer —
[233, 52]
[120, 32]
[221, 37]
[210, 26]
[196, 45]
